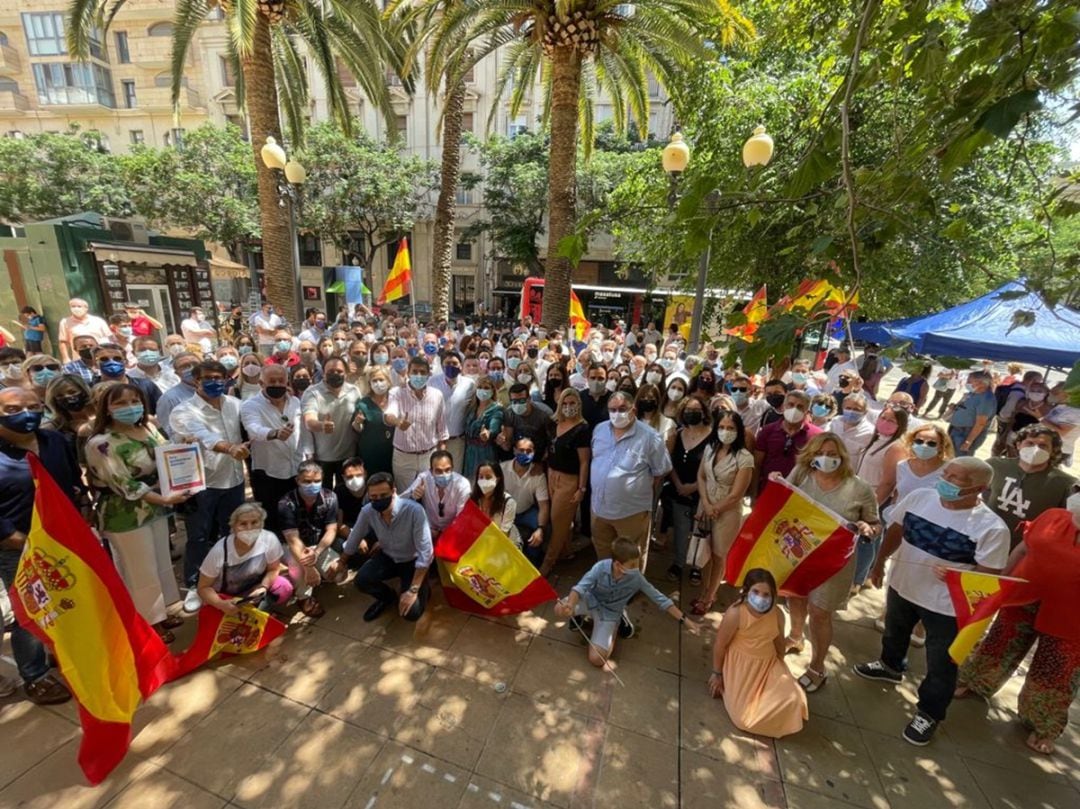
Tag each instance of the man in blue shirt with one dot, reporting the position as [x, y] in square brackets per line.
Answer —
[969, 421]
[404, 550]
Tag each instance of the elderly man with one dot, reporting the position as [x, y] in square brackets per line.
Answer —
[969, 419]
[930, 529]
[80, 323]
[629, 462]
[777, 444]
[272, 421]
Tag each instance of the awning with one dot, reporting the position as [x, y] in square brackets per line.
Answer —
[224, 268]
[143, 254]
[506, 291]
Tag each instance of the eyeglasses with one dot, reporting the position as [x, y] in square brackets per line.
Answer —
[740, 390]
[49, 367]
[924, 442]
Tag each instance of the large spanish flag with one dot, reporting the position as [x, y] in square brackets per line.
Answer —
[799, 541]
[483, 571]
[399, 282]
[248, 631]
[578, 322]
[755, 311]
[68, 593]
[976, 597]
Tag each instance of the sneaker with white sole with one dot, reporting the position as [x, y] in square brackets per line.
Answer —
[876, 670]
[192, 602]
[920, 730]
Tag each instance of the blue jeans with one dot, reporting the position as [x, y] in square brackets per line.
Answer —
[29, 651]
[959, 435]
[207, 521]
[865, 554]
[682, 522]
[526, 523]
[901, 616]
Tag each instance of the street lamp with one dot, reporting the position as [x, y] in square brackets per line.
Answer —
[290, 176]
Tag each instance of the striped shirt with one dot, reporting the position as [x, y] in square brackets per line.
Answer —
[426, 415]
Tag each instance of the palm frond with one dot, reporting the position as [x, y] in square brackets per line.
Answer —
[83, 17]
[241, 21]
[291, 82]
[308, 23]
[189, 15]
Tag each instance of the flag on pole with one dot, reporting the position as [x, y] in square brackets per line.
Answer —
[68, 593]
[399, 282]
[248, 631]
[799, 541]
[578, 322]
[755, 311]
[482, 571]
[976, 598]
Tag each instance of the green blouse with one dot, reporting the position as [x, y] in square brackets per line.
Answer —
[124, 469]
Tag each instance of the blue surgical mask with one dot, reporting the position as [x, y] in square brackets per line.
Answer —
[853, 416]
[213, 388]
[243, 351]
[149, 357]
[740, 398]
[188, 377]
[519, 408]
[229, 361]
[452, 371]
[798, 378]
[442, 481]
[524, 458]
[513, 362]
[380, 358]
[46, 375]
[924, 451]
[412, 351]
[431, 349]
[125, 331]
[417, 381]
[310, 489]
[484, 394]
[496, 376]
[283, 345]
[112, 368]
[24, 422]
[400, 364]
[759, 603]
[819, 410]
[948, 491]
[130, 414]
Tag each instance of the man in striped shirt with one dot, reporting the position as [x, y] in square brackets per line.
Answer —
[418, 414]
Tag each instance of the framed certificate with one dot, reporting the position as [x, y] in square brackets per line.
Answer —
[180, 469]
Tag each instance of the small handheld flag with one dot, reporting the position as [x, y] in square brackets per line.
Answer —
[399, 282]
[976, 598]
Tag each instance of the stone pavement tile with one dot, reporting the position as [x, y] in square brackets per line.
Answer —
[30, 733]
[487, 651]
[176, 707]
[160, 789]
[831, 758]
[310, 664]
[881, 707]
[544, 752]
[377, 687]
[483, 793]
[57, 782]
[534, 622]
[799, 798]
[708, 731]
[401, 777]
[318, 764]
[916, 778]
[427, 639]
[656, 638]
[234, 740]
[696, 651]
[560, 675]
[636, 772]
[1012, 790]
[452, 718]
[1068, 745]
[647, 702]
[706, 783]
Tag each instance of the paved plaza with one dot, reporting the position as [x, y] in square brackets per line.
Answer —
[466, 712]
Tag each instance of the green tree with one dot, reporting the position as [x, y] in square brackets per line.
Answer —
[580, 48]
[265, 39]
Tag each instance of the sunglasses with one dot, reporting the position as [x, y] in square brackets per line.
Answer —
[924, 442]
[50, 367]
[740, 390]
[789, 444]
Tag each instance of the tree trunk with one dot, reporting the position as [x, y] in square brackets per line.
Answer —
[262, 108]
[562, 190]
[442, 252]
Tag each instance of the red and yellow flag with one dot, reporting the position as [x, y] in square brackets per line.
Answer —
[248, 631]
[68, 593]
[399, 282]
[756, 311]
[483, 571]
[578, 321]
[976, 597]
[800, 542]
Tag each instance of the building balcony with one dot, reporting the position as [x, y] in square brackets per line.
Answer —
[12, 100]
[10, 61]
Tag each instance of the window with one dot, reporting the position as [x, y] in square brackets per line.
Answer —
[392, 78]
[160, 29]
[463, 294]
[401, 125]
[463, 251]
[517, 126]
[228, 75]
[123, 55]
[470, 74]
[74, 83]
[45, 33]
[463, 196]
[344, 74]
[136, 136]
[467, 123]
[129, 93]
[8, 86]
[310, 250]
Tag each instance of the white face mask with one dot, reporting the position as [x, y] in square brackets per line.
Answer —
[794, 415]
[1073, 505]
[653, 378]
[524, 379]
[619, 419]
[174, 349]
[354, 484]
[727, 436]
[13, 371]
[611, 384]
[487, 485]
[1034, 456]
[675, 394]
[380, 386]
[251, 371]
[1038, 396]
[247, 537]
[826, 463]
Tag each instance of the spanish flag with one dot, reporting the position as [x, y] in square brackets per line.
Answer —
[976, 597]
[248, 631]
[578, 322]
[755, 311]
[399, 282]
[482, 571]
[799, 541]
[68, 593]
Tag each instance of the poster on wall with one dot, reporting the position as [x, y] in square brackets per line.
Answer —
[680, 310]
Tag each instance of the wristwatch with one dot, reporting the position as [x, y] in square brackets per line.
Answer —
[414, 589]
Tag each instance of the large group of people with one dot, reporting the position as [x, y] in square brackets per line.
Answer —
[346, 446]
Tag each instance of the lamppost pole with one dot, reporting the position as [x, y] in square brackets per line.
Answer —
[290, 176]
[698, 317]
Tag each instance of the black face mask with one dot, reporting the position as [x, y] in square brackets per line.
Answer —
[844, 381]
[646, 406]
[775, 400]
[693, 417]
[74, 401]
[86, 354]
[707, 384]
[335, 380]
[532, 352]
[276, 391]
[301, 385]
[554, 381]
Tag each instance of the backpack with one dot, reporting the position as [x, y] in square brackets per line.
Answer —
[1002, 392]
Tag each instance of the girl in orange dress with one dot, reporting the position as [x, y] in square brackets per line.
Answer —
[760, 694]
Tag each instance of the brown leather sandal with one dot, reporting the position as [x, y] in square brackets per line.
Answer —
[312, 608]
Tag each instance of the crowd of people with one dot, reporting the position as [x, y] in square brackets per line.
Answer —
[347, 445]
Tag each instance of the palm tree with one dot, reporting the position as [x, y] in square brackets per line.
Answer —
[579, 48]
[266, 38]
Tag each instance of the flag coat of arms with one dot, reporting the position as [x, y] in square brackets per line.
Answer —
[976, 597]
[399, 282]
[248, 631]
[482, 571]
[799, 541]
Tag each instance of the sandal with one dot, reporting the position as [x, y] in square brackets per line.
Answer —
[312, 608]
[47, 691]
[1040, 744]
[172, 621]
[809, 684]
[794, 647]
[165, 634]
[701, 606]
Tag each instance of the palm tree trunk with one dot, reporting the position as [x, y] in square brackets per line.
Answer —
[443, 249]
[562, 187]
[262, 109]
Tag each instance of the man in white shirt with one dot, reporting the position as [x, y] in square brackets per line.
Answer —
[441, 491]
[457, 391]
[417, 412]
[272, 421]
[80, 324]
[266, 323]
[213, 420]
[844, 366]
[931, 529]
[197, 331]
[149, 365]
[315, 327]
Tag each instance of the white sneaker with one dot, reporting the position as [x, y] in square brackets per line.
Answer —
[8, 686]
[192, 602]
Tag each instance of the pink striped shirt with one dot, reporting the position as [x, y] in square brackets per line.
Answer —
[426, 415]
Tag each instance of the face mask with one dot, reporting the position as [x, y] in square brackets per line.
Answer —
[24, 422]
[496, 376]
[667, 363]
[675, 394]
[826, 463]
[125, 331]
[759, 603]
[86, 355]
[431, 349]
[608, 356]
[451, 371]
[380, 386]
[653, 377]
[948, 491]
[400, 364]
[13, 371]
[727, 436]
[524, 458]
[570, 411]
[887, 428]
[924, 451]
[213, 388]
[1036, 397]
[774, 400]
[381, 504]
[354, 484]
[340, 345]
[612, 385]
[301, 385]
[555, 381]
[369, 338]
[443, 480]
[177, 348]
[310, 489]
[251, 370]
[276, 391]
[487, 485]
[852, 416]
[484, 394]
[619, 419]
[794, 415]
[513, 362]
[1073, 505]
[692, 418]
[532, 352]
[417, 381]
[229, 361]
[646, 405]
[320, 324]
[74, 401]
[130, 414]
[819, 410]
[519, 408]
[1034, 456]
[524, 379]
[335, 380]
[112, 368]
[248, 537]
[707, 384]
[740, 398]
[284, 345]
[843, 381]
[381, 358]
[597, 386]
[798, 379]
[46, 375]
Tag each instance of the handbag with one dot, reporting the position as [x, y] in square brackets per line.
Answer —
[699, 550]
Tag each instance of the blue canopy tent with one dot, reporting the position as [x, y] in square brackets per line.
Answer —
[982, 329]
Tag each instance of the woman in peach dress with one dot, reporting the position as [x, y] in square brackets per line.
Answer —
[760, 693]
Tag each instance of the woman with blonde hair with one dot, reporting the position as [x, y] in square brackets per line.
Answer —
[823, 472]
[483, 423]
[647, 402]
[375, 442]
[569, 456]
